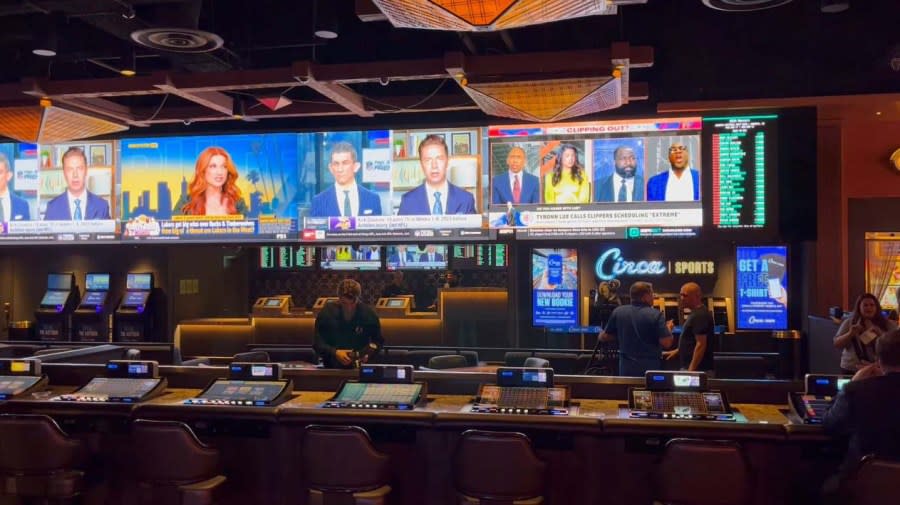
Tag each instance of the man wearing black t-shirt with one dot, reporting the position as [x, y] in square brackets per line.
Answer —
[693, 349]
[347, 328]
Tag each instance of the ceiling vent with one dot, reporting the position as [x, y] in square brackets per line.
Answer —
[743, 5]
[178, 40]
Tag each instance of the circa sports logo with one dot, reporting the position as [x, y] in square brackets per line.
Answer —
[760, 320]
[610, 265]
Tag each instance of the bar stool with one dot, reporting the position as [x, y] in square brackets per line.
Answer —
[875, 481]
[704, 472]
[447, 361]
[38, 460]
[172, 466]
[481, 453]
[343, 467]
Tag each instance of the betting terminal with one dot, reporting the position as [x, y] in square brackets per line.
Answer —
[125, 381]
[55, 311]
[20, 377]
[248, 385]
[678, 395]
[389, 387]
[523, 391]
[134, 319]
[90, 321]
[811, 405]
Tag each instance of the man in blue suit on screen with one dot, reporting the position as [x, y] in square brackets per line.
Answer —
[680, 183]
[76, 203]
[436, 195]
[345, 197]
[625, 185]
[515, 185]
[12, 207]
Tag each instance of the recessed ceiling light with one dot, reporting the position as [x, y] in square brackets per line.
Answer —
[44, 52]
[878, 113]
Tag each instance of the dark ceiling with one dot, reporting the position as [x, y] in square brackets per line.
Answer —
[699, 53]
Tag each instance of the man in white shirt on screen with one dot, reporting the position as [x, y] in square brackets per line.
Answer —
[680, 183]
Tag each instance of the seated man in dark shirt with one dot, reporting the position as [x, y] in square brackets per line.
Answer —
[397, 287]
[868, 410]
[347, 328]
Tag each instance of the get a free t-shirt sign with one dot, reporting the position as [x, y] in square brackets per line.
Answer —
[761, 288]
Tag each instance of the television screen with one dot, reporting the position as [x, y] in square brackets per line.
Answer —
[416, 257]
[54, 298]
[612, 179]
[287, 257]
[554, 287]
[166, 183]
[274, 302]
[761, 288]
[46, 205]
[59, 281]
[375, 185]
[96, 282]
[347, 257]
[480, 256]
[139, 281]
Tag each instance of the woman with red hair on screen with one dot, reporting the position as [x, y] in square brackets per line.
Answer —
[214, 191]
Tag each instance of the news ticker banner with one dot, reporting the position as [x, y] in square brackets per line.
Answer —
[446, 227]
[604, 128]
[554, 282]
[208, 228]
[90, 230]
[761, 288]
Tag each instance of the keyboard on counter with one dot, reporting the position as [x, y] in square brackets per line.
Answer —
[521, 400]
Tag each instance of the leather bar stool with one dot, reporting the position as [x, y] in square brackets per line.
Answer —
[172, 466]
[475, 468]
[343, 467]
[447, 361]
[704, 472]
[38, 460]
[874, 482]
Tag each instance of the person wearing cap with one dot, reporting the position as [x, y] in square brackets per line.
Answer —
[346, 328]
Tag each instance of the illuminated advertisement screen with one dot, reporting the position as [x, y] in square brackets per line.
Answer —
[210, 188]
[761, 288]
[554, 287]
[614, 179]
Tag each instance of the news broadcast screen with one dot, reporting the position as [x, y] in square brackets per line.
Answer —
[613, 179]
[400, 184]
[57, 192]
[210, 188]
[416, 257]
[350, 257]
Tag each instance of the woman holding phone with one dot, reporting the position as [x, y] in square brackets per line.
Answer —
[857, 334]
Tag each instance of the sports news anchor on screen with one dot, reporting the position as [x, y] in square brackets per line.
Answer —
[76, 203]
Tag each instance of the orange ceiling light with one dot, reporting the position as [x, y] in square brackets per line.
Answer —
[49, 125]
[547, 100]
[487, 15]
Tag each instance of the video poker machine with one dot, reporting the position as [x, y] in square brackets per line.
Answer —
[811, 405]
[247, 385]
[55, 311]
[678, 395]
[125, 381]
[20, 377]
[388, 387]
[134, 319]
[523, 391]
[90, 321]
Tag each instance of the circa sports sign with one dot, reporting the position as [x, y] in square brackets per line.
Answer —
[611, 264]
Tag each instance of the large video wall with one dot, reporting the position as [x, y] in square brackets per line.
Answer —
[657, 177]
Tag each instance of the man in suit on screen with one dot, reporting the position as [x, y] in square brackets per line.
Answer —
[12, 206]
[76, 203]
[678, 184]
[345, 197]
[515, 185]
[625, 185]
[436, 196]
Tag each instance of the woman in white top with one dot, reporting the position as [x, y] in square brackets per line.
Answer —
[857, 334]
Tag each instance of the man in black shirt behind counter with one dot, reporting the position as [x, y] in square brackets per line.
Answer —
[693, 344]
[347, 328]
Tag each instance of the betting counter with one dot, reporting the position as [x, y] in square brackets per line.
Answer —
[20, 377]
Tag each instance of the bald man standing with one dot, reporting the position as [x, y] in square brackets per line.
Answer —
[693, 345]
